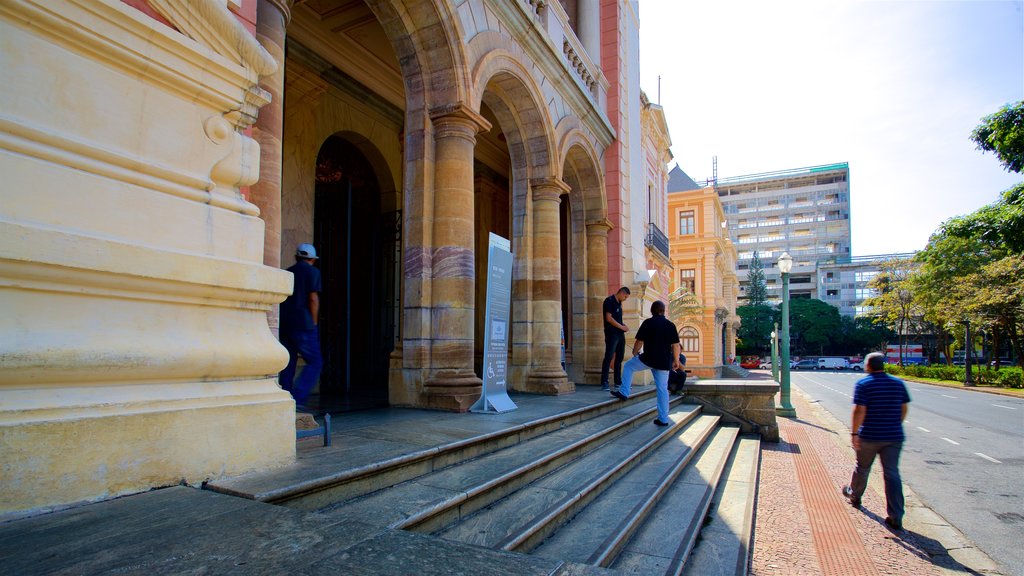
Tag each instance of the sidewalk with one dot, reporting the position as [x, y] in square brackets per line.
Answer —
[805, 526]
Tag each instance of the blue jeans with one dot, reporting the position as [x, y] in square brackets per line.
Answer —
[889, 454]
[305, 343]
[660, 383]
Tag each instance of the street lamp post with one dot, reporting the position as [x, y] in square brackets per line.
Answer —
[786, 409]
[775, 353]
[968, 349]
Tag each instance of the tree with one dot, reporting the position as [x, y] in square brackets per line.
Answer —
[894, 303]
[1003, 134]
[756, 315]
[813, 325]
[757, 288]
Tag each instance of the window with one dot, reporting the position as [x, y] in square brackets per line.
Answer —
[865, 293]
[690, 339]
[686, 223]
[688, 280]
[865, 276]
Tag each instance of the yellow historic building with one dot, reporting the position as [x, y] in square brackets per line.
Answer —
[704, 260]
[163, 158]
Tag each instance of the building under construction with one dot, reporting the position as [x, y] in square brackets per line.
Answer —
[804, 211]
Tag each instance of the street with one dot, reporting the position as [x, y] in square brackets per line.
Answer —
[964, 457]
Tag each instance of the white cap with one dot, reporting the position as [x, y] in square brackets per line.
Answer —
[305, 251]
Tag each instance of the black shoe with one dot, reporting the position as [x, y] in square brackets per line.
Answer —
[605, 388]
[854, 501]
[893, 525]
[619, 395]
[658, 422]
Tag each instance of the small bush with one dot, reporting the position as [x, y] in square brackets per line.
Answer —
[1010, 377]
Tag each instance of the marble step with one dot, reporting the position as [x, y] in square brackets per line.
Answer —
[345, 471]
[530, 514]
[441, 498]
[725, 541]
[663, 543]
[598, 532]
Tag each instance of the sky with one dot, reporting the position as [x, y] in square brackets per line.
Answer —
[893, 87]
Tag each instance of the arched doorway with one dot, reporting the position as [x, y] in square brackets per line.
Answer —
[359, 247]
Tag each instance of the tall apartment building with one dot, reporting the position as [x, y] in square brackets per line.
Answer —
[804, 211]
[843, 282]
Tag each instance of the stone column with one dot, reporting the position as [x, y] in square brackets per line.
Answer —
[546, 373]
[589, 25]
[597, 291]
[272, 18]
[452, 384]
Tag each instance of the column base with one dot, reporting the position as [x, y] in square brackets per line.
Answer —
[591, 377]
[455, 392]
[549, 383]
[785, 412]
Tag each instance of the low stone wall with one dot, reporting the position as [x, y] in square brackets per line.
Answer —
[749, 404]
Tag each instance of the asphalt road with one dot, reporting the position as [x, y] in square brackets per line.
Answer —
[964, 456]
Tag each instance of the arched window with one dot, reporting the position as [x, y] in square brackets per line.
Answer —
[690, 339]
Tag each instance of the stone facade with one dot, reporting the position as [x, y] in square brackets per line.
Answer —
[163, 158]
[704, 260]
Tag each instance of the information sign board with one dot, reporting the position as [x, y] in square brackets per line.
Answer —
[497, 330]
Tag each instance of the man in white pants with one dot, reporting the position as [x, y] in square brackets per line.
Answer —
[660, 342]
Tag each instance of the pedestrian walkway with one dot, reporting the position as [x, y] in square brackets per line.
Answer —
[805, 526]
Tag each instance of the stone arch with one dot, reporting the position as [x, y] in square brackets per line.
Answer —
[427, 40]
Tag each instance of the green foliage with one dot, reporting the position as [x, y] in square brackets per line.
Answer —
[999, 226]
[756, 324]
[1012, 377]
[1003, 134]
[757, 288]
[813, 325]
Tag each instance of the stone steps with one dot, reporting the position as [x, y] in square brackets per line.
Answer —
[523, 519]
[726, 538]
[663, 543]
[431, 501]
[346, 471]
[598, 532]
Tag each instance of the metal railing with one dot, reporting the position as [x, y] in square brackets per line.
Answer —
[657, 239]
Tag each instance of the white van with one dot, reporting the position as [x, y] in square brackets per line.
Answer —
[833, 363]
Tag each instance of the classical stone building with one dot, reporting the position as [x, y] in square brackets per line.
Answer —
[162, 158]
[704, 259]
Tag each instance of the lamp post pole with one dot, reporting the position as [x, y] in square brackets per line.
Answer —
[968, 350]
[775, 353]
[786, 409]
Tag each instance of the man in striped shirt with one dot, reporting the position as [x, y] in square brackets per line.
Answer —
[880, 405]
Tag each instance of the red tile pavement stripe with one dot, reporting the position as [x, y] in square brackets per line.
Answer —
[839, 545]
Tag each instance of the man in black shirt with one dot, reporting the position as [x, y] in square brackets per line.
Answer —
[614, 336]
[299, 333]
[660, 341]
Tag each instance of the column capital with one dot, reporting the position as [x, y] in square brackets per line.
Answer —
[282, 6]
[548, 189]
[458, 114]
[600, 226]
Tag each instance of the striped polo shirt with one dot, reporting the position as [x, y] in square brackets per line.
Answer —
[884, 397]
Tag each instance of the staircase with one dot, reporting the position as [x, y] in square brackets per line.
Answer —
[734, 371]
[601, 486]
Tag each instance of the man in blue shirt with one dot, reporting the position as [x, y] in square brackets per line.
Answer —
[880, 406]
[299, 332]
[660, 341]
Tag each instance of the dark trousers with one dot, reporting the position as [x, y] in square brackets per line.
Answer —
[614, 344]
[305, 343]
[889, 453]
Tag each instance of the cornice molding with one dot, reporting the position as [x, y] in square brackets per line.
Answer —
[210, 23]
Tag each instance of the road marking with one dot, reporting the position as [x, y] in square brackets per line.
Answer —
[989, 458]
[923, 429]
[1001, 406]
[948, 396]
[953, 442]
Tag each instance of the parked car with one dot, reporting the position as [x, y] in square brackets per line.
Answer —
[833, 363]
[750, 363]
[857, 366]
[806, 365]
[766, 365]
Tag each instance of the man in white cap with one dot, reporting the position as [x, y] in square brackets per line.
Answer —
[299, 332]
